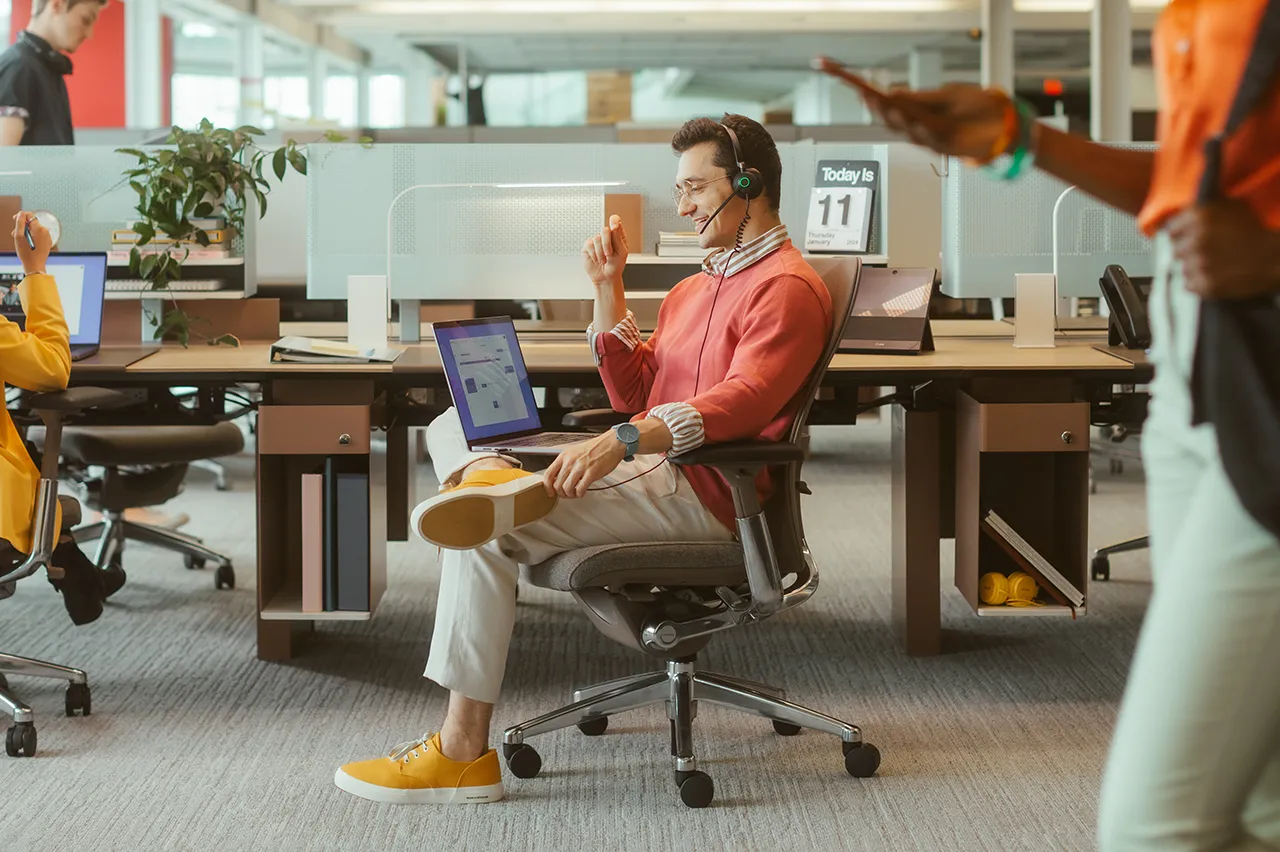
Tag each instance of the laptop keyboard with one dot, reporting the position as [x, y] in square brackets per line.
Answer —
[546, 439]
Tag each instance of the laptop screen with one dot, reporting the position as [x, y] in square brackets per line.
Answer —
[82, 286]
[487, 377]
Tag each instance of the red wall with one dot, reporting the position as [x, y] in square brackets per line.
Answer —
[96, 87]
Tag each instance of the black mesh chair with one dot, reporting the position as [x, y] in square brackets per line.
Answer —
[669, 600]
[51, 408]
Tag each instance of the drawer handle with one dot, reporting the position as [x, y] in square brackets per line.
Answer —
[345, 439]
[1068, 438]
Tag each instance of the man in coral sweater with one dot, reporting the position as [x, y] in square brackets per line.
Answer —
[732, 349]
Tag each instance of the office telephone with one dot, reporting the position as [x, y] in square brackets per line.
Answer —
[1129, 324]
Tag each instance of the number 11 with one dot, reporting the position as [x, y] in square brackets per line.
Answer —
[844, 202]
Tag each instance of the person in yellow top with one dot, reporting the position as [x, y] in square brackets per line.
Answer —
[38, 358]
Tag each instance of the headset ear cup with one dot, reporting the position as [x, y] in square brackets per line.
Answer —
[749, 184]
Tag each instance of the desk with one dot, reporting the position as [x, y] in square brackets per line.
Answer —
[980, 364]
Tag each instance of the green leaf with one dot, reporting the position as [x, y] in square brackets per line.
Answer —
[262, 202]
[225, 340]
[250, 130]
[135, 260]
[138, 188]
[146, 233]
[334, 136]
[299, 161]
[202, 238]
[366, 141]
[204, 210]
[278, 163]
[148, 266]
[206, 126]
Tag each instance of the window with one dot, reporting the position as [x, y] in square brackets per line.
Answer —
[199, 96]
[386, 100]
[340, 100]
[285, 100]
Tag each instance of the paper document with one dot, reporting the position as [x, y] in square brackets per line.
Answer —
[305, 350]
[1033, 556]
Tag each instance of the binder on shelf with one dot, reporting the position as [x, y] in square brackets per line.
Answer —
[330, 530]
[353, 541]
[313, 542]
[1030, 560]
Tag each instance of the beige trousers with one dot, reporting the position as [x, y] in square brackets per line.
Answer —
[475, 612]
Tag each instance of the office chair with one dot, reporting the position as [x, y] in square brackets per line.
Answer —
[128, 467]
[668, 600]
[1129, 414]
[52, 409]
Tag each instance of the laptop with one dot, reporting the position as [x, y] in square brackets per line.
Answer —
[491, 391]
[82, 285]
[890, 312]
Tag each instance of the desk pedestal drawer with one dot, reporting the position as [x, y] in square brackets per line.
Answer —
[1028, 427]
[313, 429]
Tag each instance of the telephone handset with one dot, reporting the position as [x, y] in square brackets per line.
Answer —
[1129, 324]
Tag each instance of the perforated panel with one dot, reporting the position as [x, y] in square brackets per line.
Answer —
[994, 229]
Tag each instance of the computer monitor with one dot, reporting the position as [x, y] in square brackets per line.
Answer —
[82, 285]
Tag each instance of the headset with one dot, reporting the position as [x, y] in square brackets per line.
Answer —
[56, 60]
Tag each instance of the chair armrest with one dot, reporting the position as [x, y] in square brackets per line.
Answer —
[74, 400]
[736, 453]
[594, 418]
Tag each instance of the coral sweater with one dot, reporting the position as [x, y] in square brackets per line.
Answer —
[38, 359]
[765, 331]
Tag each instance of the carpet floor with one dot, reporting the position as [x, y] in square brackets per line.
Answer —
[999, 743]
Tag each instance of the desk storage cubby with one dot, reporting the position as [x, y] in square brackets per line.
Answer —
[1028, 462]
[295, 440]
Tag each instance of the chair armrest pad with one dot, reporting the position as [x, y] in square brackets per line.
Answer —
[75, 399]
[598, 418]
[741, 452]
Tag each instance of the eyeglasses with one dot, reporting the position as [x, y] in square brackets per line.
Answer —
[688, 189]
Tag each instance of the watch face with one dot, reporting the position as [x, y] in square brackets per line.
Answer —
[50, 221]
[629, 432]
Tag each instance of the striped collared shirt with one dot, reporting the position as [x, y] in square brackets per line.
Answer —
[739, 259]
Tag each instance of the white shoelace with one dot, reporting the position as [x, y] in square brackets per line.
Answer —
[410, 749]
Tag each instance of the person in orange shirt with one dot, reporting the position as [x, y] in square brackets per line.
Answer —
[38, 359]
[1195, 758]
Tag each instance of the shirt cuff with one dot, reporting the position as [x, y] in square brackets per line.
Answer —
[626, 330]
[685, 424]
[14, 112]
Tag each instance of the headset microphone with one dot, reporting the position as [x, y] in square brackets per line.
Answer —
[723, 204]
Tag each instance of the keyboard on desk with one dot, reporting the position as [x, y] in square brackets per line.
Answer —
[189, 285]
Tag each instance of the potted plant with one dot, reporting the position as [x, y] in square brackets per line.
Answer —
[204, 173]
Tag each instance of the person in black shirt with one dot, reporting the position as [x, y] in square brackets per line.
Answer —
[34, 109]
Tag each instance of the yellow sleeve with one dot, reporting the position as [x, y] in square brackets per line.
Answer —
[38, 359]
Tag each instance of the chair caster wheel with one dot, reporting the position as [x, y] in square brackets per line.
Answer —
[20, 740]
[193, 563]
[696, 788]
[522, 760]
[594, 727]
[223, 486]
[1101, 569]
[225, 578]
[78, 698]
[785, 729]
[861, 761]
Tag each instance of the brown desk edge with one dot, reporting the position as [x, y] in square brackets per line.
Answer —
[114, 358]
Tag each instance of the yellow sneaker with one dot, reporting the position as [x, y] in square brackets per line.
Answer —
[485, 505]
[416, 773]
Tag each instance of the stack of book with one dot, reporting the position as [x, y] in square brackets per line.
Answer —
[335, 537]
[679, 244]
[1031, 561]
[221, 237]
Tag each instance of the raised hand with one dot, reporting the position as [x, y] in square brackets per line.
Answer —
[605, 255]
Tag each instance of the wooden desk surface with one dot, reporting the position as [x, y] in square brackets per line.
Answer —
[954, 356]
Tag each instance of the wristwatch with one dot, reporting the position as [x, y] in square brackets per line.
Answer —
[629, 435]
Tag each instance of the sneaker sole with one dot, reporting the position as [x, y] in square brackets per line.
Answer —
[433, 796]
[465, 519]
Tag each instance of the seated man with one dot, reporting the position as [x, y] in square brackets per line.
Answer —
[732, 349]
[38, 359]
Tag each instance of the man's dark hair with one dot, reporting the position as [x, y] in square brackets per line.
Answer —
[758, 150]
[38, 6]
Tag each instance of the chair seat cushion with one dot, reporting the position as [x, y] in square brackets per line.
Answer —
[112, 446]
[674, 564]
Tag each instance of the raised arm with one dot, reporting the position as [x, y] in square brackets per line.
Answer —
[39, 358]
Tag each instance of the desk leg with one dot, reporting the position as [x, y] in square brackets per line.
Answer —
[275, 640]
[917, 592]
[398, 483]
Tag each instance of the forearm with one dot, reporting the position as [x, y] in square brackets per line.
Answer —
[655, 436]
[610, 306]
[1116, 176]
